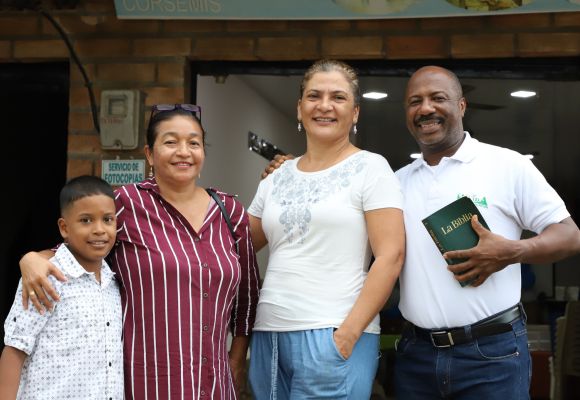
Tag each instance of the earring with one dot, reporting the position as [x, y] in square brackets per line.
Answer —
[151, 174]
[299, 126]
[354, 129]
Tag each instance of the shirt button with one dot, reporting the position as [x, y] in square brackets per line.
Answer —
[204, 360]
[110, 364]
[204, 265]
[196, 239]
[203, 393]
[205, 328]
[205, 295]
[14, 319]
[108, 323]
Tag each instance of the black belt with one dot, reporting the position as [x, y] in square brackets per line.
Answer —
[494, 325]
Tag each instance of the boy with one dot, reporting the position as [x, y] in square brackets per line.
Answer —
[74, 352]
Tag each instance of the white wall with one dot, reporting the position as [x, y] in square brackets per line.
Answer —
[229, 111]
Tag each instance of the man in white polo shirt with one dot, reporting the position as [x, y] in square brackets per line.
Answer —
[469, 342]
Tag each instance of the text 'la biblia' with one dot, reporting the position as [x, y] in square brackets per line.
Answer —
[456, 223]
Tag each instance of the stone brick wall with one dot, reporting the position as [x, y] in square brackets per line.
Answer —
[153, 56]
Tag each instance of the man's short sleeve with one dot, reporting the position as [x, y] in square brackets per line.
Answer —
[539, 204]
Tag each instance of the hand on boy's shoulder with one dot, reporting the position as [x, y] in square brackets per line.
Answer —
[276, 163]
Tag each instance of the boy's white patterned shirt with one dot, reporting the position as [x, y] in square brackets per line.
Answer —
[75, 351]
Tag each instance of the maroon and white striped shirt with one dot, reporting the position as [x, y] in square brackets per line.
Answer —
[181, 290]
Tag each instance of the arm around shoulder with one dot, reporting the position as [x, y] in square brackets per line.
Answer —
[35, 269]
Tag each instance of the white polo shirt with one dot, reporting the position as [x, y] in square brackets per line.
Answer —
[511, 194]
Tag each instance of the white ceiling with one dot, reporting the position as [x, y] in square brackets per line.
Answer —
[525, 125]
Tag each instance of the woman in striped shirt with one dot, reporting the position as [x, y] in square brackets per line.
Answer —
[184, 278]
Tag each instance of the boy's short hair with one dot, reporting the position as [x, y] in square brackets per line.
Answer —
[83, 186]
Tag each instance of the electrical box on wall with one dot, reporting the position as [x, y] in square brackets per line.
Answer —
[119, 119]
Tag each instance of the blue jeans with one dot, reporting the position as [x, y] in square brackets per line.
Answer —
[491, 367]
[307, 365]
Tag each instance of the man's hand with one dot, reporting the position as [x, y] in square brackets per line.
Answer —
[493, 253]
[276, 163]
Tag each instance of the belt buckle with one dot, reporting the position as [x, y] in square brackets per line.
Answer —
[439, 333]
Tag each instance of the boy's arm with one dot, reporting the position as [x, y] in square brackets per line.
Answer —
[10, 368]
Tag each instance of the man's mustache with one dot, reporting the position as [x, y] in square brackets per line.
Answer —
[430, 117]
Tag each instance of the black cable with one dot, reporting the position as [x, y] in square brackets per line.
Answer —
[75, 58]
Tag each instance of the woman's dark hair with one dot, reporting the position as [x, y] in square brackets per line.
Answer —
[161, 116]
[83, 186]
[330, 66]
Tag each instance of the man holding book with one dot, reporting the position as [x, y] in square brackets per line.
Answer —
[469, 342]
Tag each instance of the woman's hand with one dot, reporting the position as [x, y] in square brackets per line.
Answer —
[237, 354]
[238, 368]
[344, 342]
[36, 287]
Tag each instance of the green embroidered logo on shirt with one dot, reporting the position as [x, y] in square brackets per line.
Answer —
[480, 201]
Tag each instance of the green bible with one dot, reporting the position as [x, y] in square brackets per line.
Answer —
[450, 228]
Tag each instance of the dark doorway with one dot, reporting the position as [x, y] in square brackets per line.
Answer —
[34, 115]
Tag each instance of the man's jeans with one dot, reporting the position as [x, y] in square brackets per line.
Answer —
[492, 367]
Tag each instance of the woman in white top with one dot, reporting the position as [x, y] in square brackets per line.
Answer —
[323, 215]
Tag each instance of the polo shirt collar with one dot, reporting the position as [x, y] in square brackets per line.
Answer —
[466, 152]
[71, 267]
[468, 149]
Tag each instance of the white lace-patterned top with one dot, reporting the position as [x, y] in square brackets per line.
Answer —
[318, 242]
[74, 352]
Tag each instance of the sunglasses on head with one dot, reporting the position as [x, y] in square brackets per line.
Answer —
[192, 108]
